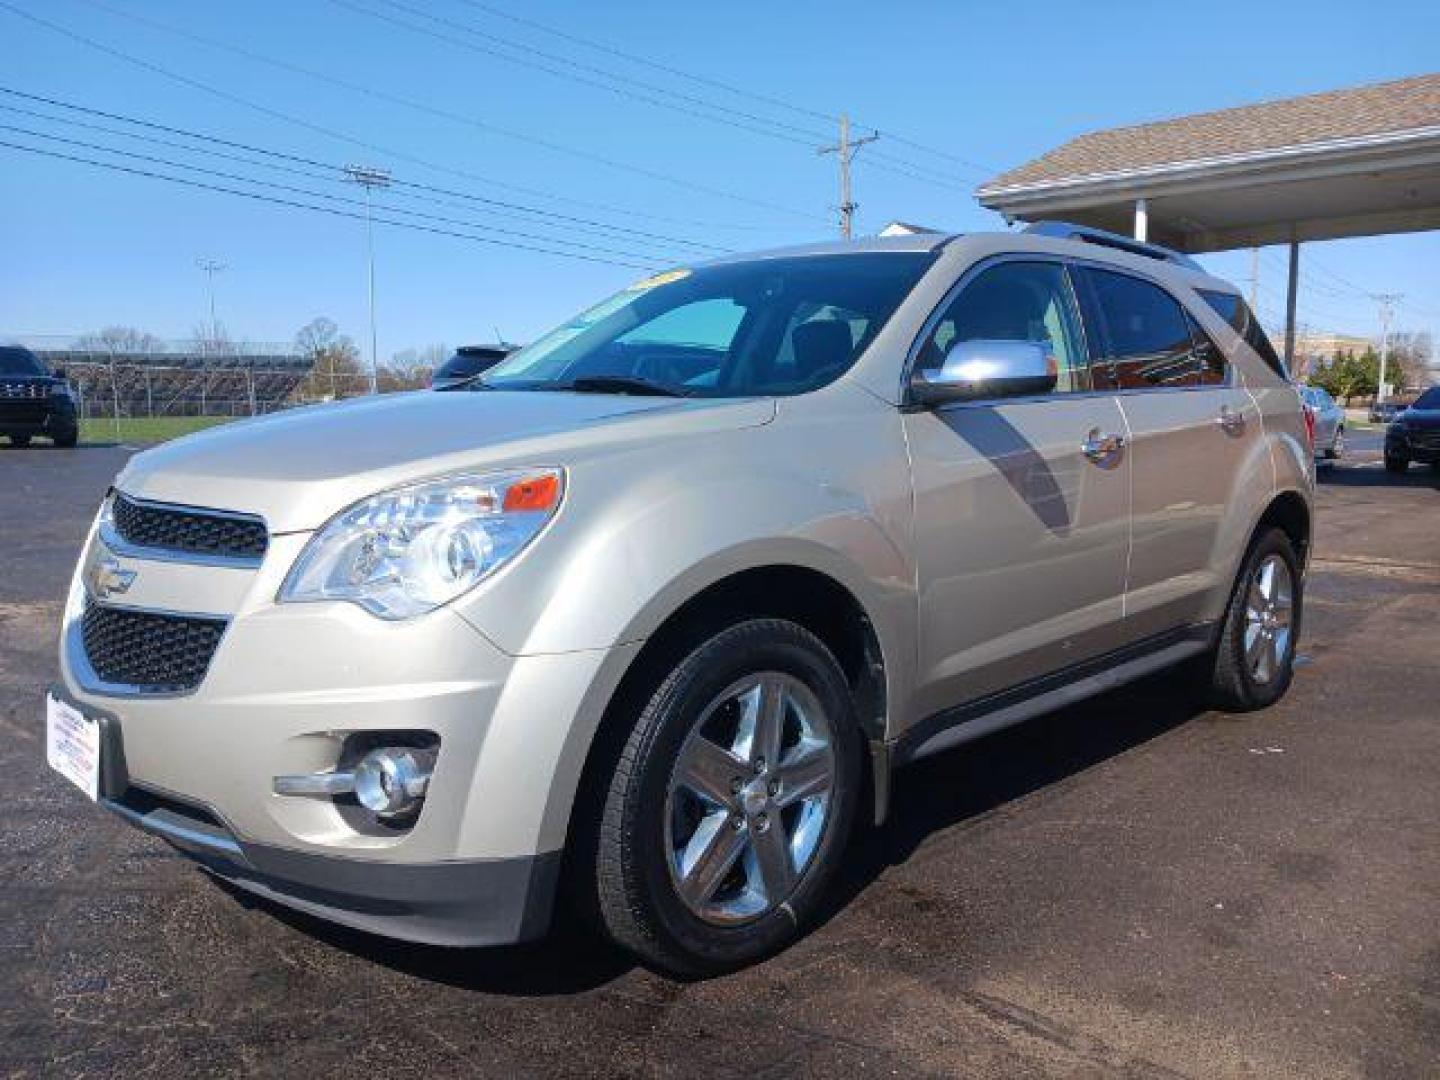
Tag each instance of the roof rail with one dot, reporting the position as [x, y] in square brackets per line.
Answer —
[1064, 230]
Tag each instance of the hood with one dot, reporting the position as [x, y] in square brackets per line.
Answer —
[1422, 419]
[298, 468]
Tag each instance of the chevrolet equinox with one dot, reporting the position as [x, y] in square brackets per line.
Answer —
[656, 609]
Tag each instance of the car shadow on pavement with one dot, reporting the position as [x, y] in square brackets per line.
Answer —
[970, 781]
[569, 960]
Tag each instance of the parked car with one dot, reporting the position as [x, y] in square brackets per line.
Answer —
[467, 362]
[34, 400]
[1382, 412]
[1329, 420]
[1415, 434]
[662, 606]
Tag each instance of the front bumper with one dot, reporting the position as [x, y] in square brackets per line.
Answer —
[286, 687]
[1423, 448]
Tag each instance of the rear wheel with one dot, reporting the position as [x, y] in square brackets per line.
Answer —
[68, 437]
[1396, 464]
[1337, 445]
[1254, 660]
[730, 805]
[20, 440]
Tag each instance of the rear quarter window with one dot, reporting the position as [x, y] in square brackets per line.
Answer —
[1237, 313]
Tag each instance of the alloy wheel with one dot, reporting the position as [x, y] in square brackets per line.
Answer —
[749, 798]
[1269, 603]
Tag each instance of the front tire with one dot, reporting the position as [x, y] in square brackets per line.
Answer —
[1394, 463]
[20, 440]
[1254, 659]
[67, 438]
[730, 805]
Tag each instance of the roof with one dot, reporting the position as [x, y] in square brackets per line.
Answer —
[1359, 113]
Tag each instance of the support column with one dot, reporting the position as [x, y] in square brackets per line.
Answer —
[1291, 286]
[1142, 220]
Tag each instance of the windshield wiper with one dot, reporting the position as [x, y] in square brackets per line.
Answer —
[622, 384]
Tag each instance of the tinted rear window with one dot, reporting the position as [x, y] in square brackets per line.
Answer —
[17, 361]
[1147, 340]
[1237, 313]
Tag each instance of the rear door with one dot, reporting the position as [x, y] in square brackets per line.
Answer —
[1191, 427]
[1020, 537]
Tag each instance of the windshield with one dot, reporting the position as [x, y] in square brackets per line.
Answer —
[17, 361]
[766, 327]
[1428, 400]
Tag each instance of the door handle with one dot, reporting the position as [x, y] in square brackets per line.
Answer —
[1230, 421]
[1102, 449]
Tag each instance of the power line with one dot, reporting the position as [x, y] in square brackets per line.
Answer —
[308, 193]
[333, 211]
[718, 84]
[778, 130]
[329, 171]
[430, 110]
[340, 136]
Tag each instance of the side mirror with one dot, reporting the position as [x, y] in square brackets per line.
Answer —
[985, 369]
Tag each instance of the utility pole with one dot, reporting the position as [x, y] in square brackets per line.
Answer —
[1387, 302]
[370, 178]
[211, 267]
[845, 151]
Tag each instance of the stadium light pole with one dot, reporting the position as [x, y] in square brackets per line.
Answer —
[368, 178]
[211, 267]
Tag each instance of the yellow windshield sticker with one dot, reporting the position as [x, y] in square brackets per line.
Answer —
[659, 279]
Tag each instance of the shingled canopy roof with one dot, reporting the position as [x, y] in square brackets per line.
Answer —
[1344, 163]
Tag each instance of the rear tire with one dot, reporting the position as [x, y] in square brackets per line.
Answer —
[1396, 463]
[68, 437]
[1337, 445]
[707, 855]
[1255, 656]
[19, 440]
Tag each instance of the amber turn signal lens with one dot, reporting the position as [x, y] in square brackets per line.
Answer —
[533, 493]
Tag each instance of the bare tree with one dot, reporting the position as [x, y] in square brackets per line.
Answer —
[119, 340]
[410, 369]
[334, 361]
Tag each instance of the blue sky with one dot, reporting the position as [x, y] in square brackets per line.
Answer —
[990, 84]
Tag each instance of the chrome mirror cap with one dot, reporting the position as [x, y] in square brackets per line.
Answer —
[983, 368]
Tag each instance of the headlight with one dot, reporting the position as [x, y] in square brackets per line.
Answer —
[411, 549]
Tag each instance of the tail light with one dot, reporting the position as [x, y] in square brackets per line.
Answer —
[1309, 425]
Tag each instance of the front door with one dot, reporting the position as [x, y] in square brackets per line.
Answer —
[1021, 535]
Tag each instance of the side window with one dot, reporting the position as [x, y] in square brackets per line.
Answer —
[1214, 371]
[1147, 342]
[1237, 313]
[1015, 301]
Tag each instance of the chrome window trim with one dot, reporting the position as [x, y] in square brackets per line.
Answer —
[90, 680]
[120, 546]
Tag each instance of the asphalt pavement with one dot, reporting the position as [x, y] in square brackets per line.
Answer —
[1131, 886]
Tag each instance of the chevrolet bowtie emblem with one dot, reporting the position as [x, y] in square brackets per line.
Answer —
[108, 578]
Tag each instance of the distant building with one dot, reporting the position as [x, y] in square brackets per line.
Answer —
[1315, 348]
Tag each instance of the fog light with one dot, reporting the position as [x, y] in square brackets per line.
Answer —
[391, 782]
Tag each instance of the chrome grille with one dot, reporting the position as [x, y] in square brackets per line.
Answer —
[148, 650]
[189, 530]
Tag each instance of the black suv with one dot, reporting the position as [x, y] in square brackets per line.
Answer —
[1415, 434]
[33, 401]
[468, 361]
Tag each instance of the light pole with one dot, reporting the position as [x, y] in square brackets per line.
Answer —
[211, 267]
[368, 177]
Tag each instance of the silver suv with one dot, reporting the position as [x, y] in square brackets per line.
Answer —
[656, 611]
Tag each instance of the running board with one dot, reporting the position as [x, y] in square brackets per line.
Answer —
[976, 720]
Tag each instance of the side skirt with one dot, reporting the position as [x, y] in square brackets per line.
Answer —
[975, 719]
